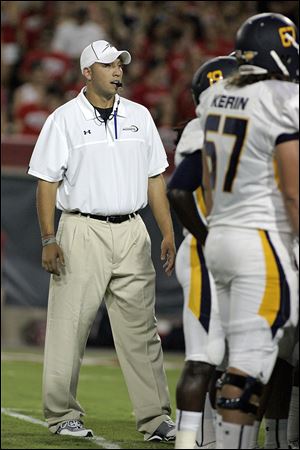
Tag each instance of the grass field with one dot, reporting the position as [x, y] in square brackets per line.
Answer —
[102, 392]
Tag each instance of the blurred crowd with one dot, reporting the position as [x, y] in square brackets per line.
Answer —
[41, 43]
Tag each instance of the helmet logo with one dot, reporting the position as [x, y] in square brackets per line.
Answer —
[214, 76]
[286, 33]
[247, 55]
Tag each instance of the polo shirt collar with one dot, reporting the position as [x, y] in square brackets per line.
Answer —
[88, 109]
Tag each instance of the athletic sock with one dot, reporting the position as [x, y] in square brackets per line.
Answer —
[276, 433]
[206, 435]
[235, 435]
[293, 420]
[187, 423]
[185, 439]
[214, 414]
[219, 423]
[255, 434]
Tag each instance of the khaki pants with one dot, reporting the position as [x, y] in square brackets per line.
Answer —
[111, 261]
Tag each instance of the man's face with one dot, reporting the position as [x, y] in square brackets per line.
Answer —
[102, 77]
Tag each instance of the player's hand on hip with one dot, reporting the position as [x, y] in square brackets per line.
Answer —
[168, 252]
[52, 258]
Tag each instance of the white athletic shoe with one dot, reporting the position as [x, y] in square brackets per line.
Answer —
[294, 444]
[73, 428]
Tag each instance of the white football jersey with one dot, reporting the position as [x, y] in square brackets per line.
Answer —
[191, 140]
[242, 127]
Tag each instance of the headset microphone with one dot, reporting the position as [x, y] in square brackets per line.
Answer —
[117, 83]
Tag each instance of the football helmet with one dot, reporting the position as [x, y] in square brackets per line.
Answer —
[268, 43]
[210, 72]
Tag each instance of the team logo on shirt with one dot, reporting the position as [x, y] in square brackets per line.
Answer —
[132, 128]
[87, 131]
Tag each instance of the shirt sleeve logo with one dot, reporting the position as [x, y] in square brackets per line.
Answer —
[132, 128]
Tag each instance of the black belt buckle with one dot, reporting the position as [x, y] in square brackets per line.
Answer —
[120, 219]
[117, 219]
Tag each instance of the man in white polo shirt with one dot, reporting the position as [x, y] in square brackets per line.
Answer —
[99, 159]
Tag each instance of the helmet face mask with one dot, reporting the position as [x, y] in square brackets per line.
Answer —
[211, 72]
[268, 43]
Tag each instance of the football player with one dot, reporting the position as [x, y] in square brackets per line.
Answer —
[251, 188]
[201, 322]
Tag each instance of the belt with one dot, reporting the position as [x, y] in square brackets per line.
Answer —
[113, 219]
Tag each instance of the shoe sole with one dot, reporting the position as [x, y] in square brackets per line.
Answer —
[160, 439]
[76, 433]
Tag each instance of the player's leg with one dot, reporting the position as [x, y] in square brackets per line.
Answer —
[274, 405]
[267, 389]
[194, 424]
[191, 428]
[212, 390]
[293, 420]
[276, 414]
[276, 395]
[255, 310]
[130, 304]
[73, 303]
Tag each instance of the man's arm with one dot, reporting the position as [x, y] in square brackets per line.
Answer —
[206, 185]
[186, 179]
[161, 210]
[287, 156]
[185, 207]
[45, 202]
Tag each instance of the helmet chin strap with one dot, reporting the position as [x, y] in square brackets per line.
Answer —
[279, 63]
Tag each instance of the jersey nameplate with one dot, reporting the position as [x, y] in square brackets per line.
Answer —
[229, 101]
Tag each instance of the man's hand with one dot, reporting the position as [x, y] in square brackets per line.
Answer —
[52, 258]
[168, 253]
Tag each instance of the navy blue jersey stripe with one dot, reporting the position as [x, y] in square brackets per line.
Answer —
[205, 310]
[284, 311]
[287, 137]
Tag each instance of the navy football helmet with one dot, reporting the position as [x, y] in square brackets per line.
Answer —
[268, 43]
[210, 72]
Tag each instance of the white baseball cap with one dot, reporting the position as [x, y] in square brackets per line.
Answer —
[102, 52]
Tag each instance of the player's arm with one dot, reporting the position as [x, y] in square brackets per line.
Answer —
[185, 180]
[206, 184]
[45, 201]
[287, 156]
[161, 210]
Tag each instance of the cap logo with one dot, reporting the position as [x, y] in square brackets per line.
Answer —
[107, 46]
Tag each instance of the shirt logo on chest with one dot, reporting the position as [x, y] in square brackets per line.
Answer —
[87, 131]
[133, 128]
